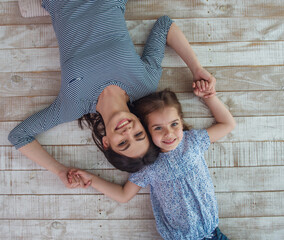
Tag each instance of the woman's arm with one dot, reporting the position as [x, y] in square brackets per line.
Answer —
[225, 121]
[180, 44]
[39, 155]
[114, 191]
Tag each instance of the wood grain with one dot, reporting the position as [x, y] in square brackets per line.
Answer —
[245, 179]
[211, 54]
[76, 207]
[234, 79]
[227, 154]
[261, 228]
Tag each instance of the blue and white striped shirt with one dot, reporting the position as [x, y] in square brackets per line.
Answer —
[95, 51]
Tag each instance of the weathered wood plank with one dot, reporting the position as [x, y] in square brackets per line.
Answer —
[30, 84]
[195, 30]
[225, 180]
[237, 154]
[239, 104]
[210, 54]
[178, 79]
[10, 15]
[261, 228]
[231, 205]
[151, 9]
[79, 229]
[248, 129]
[198, 8]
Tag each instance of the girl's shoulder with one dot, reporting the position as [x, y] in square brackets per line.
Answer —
[197, 138]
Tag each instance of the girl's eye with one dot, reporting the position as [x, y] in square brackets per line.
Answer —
[122, 143]
[174, 124]
[157, 128]
[138, 134]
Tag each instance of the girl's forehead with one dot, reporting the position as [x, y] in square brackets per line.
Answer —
[163, 113]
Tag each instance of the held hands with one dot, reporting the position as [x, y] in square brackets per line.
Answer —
[201, 89]
[204, 83]
[82, 178]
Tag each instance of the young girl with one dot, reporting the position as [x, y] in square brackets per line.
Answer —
[182, 193]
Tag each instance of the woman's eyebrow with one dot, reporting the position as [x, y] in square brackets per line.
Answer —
[141, 139]
[124, 149]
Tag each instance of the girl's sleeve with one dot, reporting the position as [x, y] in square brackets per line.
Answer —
[140, 178]
[201, 139]
[154, 49]
[39, 122]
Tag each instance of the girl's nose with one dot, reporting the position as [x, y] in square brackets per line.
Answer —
[167, 132]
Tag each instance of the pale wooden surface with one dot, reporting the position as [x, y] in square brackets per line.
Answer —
[240, 42]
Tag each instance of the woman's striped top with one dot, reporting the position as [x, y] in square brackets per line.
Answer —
[95, 51]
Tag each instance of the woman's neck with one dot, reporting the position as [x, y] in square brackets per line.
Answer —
[112, 100]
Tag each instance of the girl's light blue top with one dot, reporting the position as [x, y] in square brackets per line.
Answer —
[95, 51]
[181, 189]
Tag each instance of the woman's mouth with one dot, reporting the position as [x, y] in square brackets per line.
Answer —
[122, 123]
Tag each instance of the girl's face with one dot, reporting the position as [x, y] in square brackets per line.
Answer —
[166, 128]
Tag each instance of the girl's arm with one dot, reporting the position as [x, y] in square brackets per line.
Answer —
[225, 121]
[180, 44]
[114, 191]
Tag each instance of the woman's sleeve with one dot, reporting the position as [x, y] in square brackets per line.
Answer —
[39, 122]
[154, 49]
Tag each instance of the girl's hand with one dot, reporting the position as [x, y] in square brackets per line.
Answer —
[83, 177]
[201, 89]
[203, 74]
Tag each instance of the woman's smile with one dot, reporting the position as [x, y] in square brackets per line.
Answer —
[122, 124]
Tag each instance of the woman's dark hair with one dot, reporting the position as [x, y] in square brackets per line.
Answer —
[95, 122]
[158, 101]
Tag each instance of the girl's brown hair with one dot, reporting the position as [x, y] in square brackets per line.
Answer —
[157, 101]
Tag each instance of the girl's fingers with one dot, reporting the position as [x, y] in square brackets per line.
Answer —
[206, 84]
[198, 84]
[202, 85]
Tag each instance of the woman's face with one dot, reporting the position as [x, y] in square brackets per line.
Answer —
[166, 128]
[126, 135]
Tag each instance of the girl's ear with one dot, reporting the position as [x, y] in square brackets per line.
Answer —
[105, 142]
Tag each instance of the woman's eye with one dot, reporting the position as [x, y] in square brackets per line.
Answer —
[157, 128]
[122, 143]
[138, 134]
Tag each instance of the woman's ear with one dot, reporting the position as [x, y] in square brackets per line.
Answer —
[105, 142]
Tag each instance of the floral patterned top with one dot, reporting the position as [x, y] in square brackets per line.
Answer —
[182, 192]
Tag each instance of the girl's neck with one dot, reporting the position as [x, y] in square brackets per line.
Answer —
[112, 100]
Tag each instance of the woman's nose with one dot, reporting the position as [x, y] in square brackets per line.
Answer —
[126, 129]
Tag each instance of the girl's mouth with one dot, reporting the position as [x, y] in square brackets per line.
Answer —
[169, 142]
[122, 123]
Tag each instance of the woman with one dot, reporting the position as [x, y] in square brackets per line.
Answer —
[100, 73]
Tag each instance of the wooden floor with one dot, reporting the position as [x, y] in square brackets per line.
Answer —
[240, 42]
